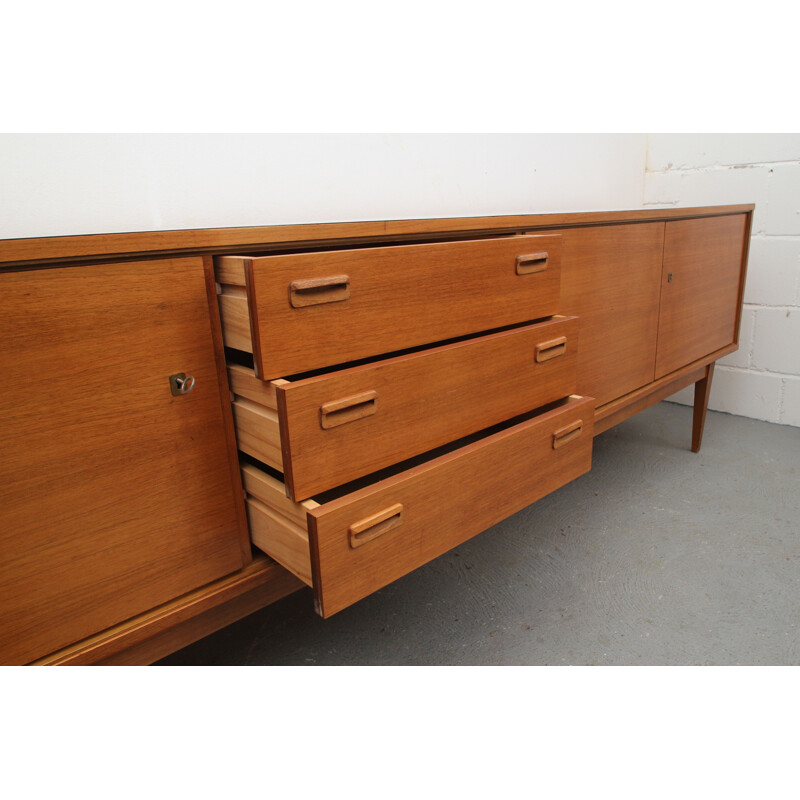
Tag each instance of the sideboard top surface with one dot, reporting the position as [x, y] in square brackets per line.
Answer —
[62, 249]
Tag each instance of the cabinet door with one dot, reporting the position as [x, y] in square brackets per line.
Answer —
[115, 495]
[700, 288]
[610, 281]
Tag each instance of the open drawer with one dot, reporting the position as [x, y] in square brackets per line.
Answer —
[300, 311]
[352, 542]
[328, 429]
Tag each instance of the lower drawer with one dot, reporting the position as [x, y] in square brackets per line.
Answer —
[350, 545]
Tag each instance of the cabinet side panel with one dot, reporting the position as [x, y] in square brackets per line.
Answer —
[700, 289]
[610, 281]
[115, 495]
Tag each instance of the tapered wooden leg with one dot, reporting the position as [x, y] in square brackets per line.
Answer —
[702, 389]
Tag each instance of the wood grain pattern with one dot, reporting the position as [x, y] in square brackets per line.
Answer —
[229, 271]
[176, 624]
[270, 491]
[278, 525]
[255, 409]
[423, 400]
[702, 391]
[102, 547]
[276, 536]
[115, 496]
[748, 229]
[618, 411]
[610, 414]
[610, 281]
[444, 502]
[244, 383]
[400, 297]
[228, 428]
[315, 291]
[258, 432]
[235, 315]
[701, 288]
[348, 409]
[216, 240]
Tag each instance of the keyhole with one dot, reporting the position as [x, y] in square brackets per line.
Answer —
[181, 383]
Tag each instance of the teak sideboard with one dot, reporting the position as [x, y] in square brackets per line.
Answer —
[197, 423]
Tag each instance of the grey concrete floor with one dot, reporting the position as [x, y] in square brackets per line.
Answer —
[657, 556]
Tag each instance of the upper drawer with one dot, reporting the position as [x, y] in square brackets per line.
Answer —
[328, 429]
[312, 310]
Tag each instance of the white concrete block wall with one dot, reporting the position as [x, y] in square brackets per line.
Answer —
[762, 379]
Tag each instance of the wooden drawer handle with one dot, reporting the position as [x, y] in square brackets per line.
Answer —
[532, 262]
[349, 409]
[315, 291]
[552, 349]
[564, 435]
[370, 528]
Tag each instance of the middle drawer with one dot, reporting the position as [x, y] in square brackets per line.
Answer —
[325, 430]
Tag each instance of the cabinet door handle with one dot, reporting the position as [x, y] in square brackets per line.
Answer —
[316, 291]
[348, 409]
[552, 349]
[370, 528]
[566, 434]
[532, 262]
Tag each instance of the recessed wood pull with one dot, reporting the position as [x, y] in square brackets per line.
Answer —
[348, 409]
[564, 435]
[552, 349]
[532, 262]
[315, 291]
[370, 528]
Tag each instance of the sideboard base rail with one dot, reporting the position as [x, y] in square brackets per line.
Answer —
[149, 637]
[699, 373]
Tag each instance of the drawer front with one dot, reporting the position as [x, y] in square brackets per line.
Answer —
[346, 424]
[313, 310]
[364, 540]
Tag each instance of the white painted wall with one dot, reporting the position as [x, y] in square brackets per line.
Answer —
[762, 379]
[58, 184]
